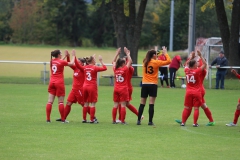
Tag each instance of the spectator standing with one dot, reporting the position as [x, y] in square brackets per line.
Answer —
[173, 68]
[220, 61]
[163, 70]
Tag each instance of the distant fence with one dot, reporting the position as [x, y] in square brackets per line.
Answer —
[45, 73]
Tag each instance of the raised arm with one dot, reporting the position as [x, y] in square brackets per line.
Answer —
[115, 57]
[235, 73]
[103, 68]
[66, 55]
[129, 62]
[204, 65]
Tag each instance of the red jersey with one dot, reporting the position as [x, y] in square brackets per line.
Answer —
[78, 78]
[202, 76]
[121, 77]
[175, 62]
[193, 78]
[162, 57]
[90, 73]
[129, 77]
[57, 68]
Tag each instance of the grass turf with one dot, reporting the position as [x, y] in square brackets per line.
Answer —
[26, 135]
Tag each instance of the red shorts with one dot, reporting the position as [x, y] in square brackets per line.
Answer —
[76, 95]
[57, 89]
[90, 94]
[193, 99]
[203, 94]
[120, 94]
[130, 90]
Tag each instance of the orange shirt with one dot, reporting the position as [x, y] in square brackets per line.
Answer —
[150, 73]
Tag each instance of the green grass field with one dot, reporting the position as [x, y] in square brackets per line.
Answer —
[26, 135]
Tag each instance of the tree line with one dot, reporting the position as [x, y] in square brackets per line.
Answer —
[117, 23]
[78, 23]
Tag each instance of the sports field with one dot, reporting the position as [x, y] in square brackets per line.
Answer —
[26, 135]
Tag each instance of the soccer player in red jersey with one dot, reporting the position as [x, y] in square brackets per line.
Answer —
[76, 93]
[204, 105]
[56, 85]
[121, 94]
[150, 81]
[237, 112]
[90, 89]
[130, 90]
[193, 96]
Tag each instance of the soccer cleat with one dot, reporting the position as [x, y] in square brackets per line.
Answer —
[151, 124]
[65, 121]
[84, 121]
[182, 124]
[231, 125]
[95, 119]
[210, 124]
[138, 122]
[114, 122]
[93, 122]
[118, 121]
[48, 121]
[178, 121]
[123, 123]
[59, 119]
[195, 125]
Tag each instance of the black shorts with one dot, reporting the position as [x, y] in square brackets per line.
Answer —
[149, 90]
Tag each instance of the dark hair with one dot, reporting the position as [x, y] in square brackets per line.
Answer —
[120, 63]
[149, 56]
[54, 54]
[191, 63]
[83, 60]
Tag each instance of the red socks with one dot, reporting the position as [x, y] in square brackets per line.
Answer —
[123, 114]
[114, 114]
[92, 113]
[61, 110]
[185, 114]
[119, 111]
[208, 114]
[85, 111]
[195, 116]
[133, 109]
[67, 110]
[48, 110]
[236, 115]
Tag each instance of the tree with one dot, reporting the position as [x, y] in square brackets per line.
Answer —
[69, 18]
[5, 15]
[101, 28]
[229, 35]
[24, 20]
[128, 25]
